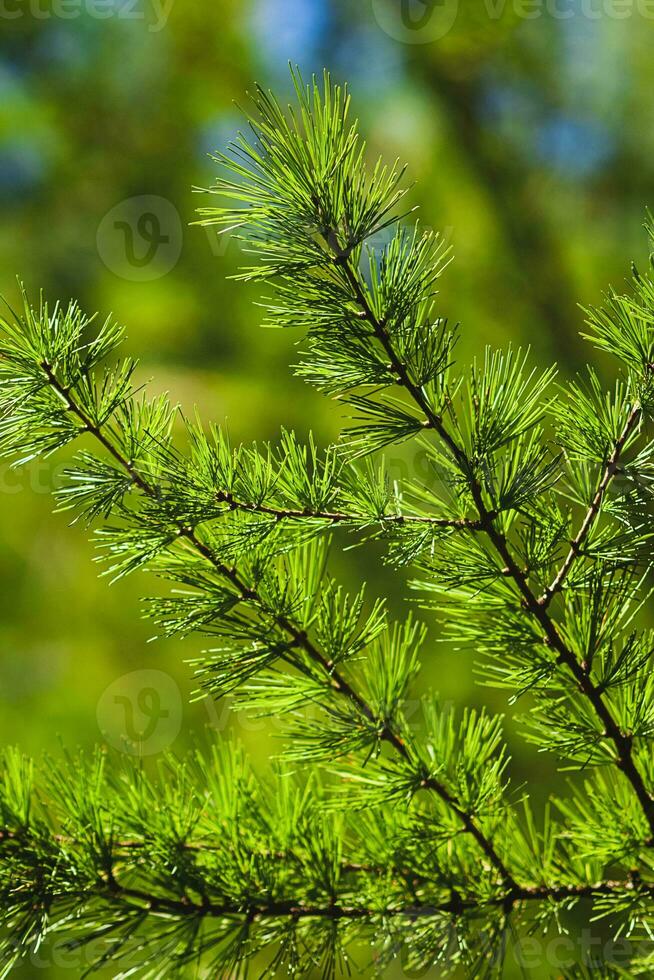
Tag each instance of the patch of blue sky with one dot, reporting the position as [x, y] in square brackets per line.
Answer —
[577, 147]
[215, 135]
[572, 140]
[370, 61]
[290, 30]
[22, 167]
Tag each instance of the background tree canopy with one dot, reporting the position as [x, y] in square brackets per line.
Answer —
[530, 138]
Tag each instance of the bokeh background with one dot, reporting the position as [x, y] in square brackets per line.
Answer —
[529, 129]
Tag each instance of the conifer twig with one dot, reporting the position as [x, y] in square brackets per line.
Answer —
[623, 743]
[298, 636]
[576, 545]
[340, 517]
[112, 889]
[455, 906]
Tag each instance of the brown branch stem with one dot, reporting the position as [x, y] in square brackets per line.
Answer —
[455, 906]
[112, 890]
[339, 517]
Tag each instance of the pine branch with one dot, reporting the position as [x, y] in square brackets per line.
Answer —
[155, 904]
[175, 870]
[576, 545]
[95, 430]
[535, 607]
[151, 491]
[337, 517]
[454, 907]
[297, 635]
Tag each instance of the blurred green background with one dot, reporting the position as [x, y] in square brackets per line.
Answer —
[529, 130]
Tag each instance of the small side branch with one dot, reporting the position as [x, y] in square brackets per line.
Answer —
[592, 514]
[340, 517]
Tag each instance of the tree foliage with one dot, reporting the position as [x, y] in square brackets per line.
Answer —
[532, 540]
